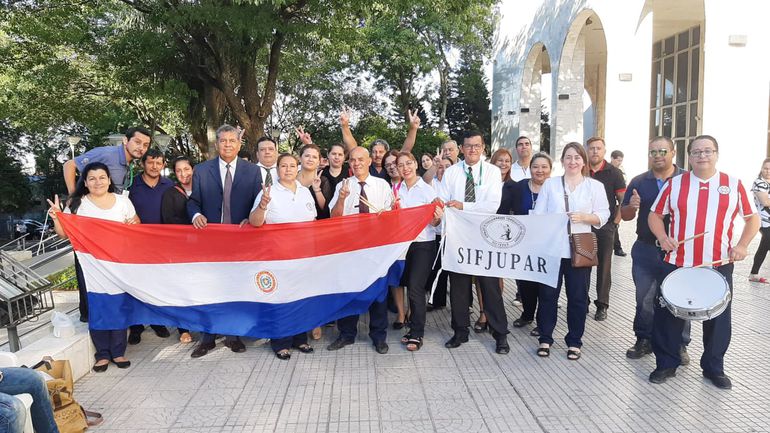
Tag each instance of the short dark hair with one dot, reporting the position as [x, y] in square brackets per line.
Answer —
[516, 143]
[594, 139]
[668, 140]
[616, 154]
[244, 154]
[473, 133]
[81, 189]
[310, 146]
[264, 139]
[286, 155]
[130, 132]
[153, 153]
[179, 159]
[703, 137]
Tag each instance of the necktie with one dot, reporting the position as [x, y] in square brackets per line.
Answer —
[470, 191]
[226, 196]
[268, 177]
[362, 208]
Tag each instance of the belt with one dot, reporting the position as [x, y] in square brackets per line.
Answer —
[648, 241]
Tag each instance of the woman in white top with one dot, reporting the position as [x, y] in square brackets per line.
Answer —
[287, 201]
[587, 208]
[438, 300]
[95, 197]
[413, 191]
[761, 189]
[389, 161]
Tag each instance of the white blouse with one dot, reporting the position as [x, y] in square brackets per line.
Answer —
[588, 197]
[121, 211]
[286, 206]
[419, 194]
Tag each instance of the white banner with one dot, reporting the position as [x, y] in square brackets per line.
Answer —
[523, 247]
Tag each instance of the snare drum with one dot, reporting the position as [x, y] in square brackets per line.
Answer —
[695, 293]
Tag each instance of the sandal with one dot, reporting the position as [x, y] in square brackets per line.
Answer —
[480, 326]
[544, 351]
[758, 279]
[573, 354]
[535, 332]
[414, 344]
[304, 348]
[405, 339]
[521, 322]
[283, 354]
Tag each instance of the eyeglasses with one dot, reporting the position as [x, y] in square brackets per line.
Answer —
[658, 152]
[473, 146]
[408, 163]
[699, 153]
[389, 164]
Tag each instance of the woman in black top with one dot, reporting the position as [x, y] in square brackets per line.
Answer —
[519, 198]
[173, 208]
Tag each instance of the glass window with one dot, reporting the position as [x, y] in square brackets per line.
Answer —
[681, 77]
[656, 50]
[681, 121]
[694, 74]
[668, 46]
[667, 122]
[693, 119]
[695, 35]
[668, 80]
[681, 153]
[655, 85]
[654, 123]
[683, 40]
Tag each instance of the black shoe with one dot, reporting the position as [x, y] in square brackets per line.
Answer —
[161, 331]
[100, 368]
[501, 346]
[620, 253]
[283, 355]
[641, 348]
[304, 348]
[455, 342]
[521, 322]
[535, 332]
[121, 364]
[684, 357]
[601, 313]
[432, 307]
[236, 346]
[84, 319]
[721, 381]
[660, 375]
[381, 347]
[134, 337]
[339, 344]
[202, 349]
[398, 325]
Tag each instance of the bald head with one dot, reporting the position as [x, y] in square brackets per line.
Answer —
[360, 161]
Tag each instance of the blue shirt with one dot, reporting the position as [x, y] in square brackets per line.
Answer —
[114, 157]
[647, 186]
[381, 174]
[147, 200]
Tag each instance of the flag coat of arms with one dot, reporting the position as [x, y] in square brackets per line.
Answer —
[268, 282]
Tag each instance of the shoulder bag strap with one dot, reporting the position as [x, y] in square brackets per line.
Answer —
[566, 206]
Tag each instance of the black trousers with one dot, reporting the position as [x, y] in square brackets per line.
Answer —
[439, 296]
[82, 292]
[461, 296]
[605, 238]
[278, 344]
[764, 247]
[528, 291]
[617, 245]
[418, 260]
[138, 329]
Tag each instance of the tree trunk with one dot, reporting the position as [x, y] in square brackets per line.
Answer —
[214, 102]
[443, 94]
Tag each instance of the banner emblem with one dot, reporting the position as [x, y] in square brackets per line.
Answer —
[502, 231]
[266, 282]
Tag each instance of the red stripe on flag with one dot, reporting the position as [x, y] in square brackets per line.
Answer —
[681, 207]
[156, 244]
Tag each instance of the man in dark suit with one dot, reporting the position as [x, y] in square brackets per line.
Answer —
[223, 192]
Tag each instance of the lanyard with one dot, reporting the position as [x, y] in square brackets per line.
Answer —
[481, 173]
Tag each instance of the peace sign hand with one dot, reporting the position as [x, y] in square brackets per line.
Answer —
[240, 132]
[55, 206]
[303, 136]
[414, 119]
[265, 197]
[317, 181]
[345, 117]
[344, 191]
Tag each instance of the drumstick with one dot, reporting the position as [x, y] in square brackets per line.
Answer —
[685, 240]
[718, 262]
[371, 206]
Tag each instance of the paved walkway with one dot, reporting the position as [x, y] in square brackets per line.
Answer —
[467, 390]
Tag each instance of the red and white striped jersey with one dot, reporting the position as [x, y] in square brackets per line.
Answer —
[696, 206]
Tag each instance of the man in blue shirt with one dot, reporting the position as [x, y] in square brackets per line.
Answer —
[646, 255]
[146, 194]
[117, 158]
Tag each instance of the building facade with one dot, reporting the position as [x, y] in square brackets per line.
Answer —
[633, 69]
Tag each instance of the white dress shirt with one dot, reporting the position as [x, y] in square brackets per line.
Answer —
[488, 186]
[378, 193]
[419, 194]
[518, 172]
[223, 170]
[287, 206]
[273, 172]
[588, 197]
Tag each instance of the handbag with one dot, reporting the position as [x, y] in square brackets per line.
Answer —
[70, 416]
[583, 247]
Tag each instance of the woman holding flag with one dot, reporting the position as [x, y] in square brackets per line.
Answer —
[95, 197]
[587, 207]
[287, 201]
[413, 191]
[394, 178]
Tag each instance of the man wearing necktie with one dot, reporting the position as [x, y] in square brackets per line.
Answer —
[352, 196]
[267, 154]
[223, 191]
[475, 185]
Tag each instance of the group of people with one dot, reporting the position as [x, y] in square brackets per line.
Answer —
[669, 204]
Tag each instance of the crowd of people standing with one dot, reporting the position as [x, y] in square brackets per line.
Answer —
[282, 188]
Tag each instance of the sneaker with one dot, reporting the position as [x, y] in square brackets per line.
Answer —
[660, 375]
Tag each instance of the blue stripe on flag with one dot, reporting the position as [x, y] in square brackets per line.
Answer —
[249, 319]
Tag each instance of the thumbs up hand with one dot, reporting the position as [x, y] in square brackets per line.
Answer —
[635, 199]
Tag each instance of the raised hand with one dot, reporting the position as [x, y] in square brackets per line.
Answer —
[345, 114]
[414, 119]
[55, 206]
[635, 200]
[241, 132]
[317, 181]
[265, 197]
[303, 136]
[344, 191]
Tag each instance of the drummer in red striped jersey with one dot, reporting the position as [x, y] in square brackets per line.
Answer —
[702, 200]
